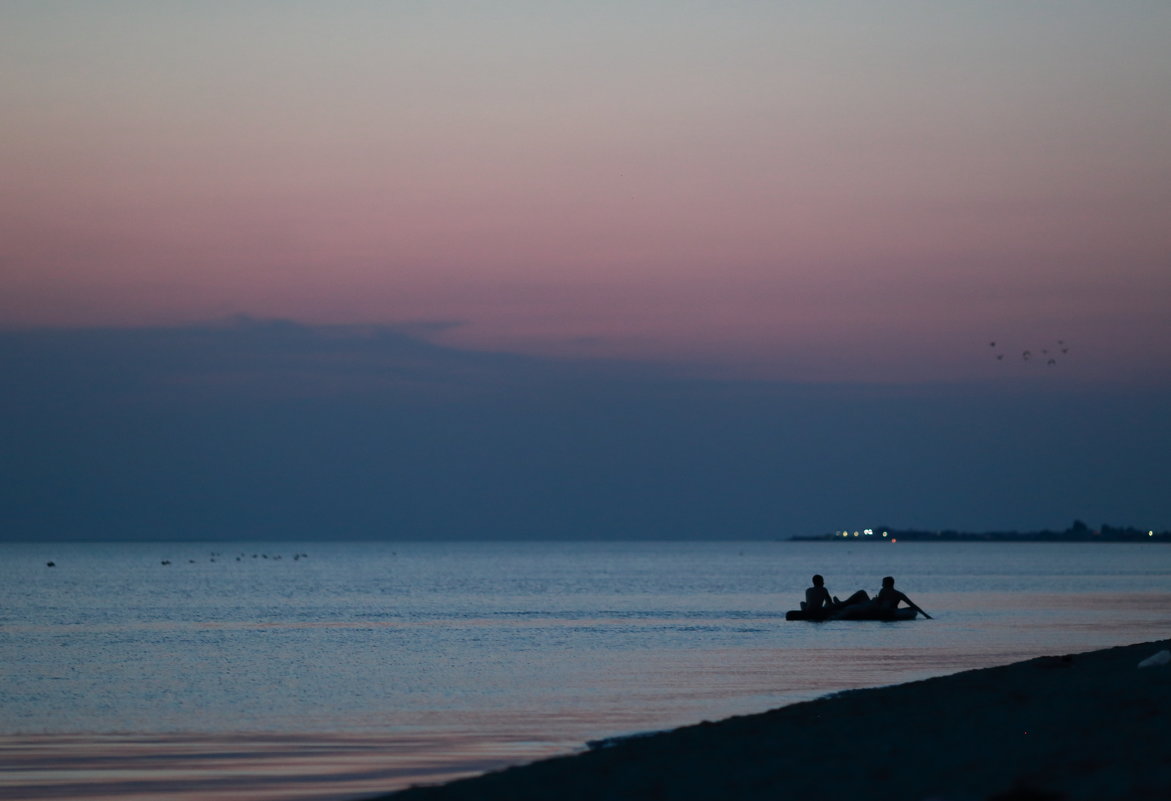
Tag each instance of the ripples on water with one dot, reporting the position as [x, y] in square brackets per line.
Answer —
[231, 673]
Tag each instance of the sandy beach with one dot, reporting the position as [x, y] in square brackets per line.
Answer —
[1092, 726]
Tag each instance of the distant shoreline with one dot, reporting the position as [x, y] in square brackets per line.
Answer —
[1078, 532]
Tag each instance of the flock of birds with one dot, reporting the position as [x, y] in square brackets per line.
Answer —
[216, 556]
[1049, 356]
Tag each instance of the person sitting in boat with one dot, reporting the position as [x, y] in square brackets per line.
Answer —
[818, 599]
[888, 598]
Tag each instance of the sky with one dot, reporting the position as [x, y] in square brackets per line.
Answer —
[582, 269]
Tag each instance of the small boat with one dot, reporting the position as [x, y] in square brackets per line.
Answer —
[857, 612]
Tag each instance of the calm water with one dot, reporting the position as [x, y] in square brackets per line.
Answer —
[333, 670]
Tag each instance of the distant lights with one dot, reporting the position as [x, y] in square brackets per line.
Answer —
[865, 532]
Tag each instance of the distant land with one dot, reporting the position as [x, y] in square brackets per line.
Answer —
[1077, 532]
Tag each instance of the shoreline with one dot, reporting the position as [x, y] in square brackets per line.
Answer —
[1090, 726]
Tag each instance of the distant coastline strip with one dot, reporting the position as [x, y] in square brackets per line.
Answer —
[1077, 532]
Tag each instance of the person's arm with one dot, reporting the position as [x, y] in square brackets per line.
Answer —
[914, 606]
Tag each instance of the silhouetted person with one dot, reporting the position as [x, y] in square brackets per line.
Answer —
[818, 599]
[888, 598]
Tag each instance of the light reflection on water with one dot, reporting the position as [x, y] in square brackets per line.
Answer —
[367, 667]
[261, 767]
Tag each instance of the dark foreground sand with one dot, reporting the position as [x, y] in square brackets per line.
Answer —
[1087, 726]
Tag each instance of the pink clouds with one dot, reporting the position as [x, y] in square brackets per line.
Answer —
[733, 189]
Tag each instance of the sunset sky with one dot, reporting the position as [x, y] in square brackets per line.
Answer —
[776, 193]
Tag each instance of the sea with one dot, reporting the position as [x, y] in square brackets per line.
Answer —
[342, 670]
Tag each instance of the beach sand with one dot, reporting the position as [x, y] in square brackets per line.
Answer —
[1090, 726]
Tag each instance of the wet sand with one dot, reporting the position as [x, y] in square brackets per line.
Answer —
[1090, 726]
[255, 767]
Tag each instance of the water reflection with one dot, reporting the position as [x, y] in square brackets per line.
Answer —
[244, 768]
[412, 681]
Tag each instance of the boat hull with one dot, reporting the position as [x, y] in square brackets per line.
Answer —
[851, 614]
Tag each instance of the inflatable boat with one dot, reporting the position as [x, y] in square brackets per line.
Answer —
[858, 612]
